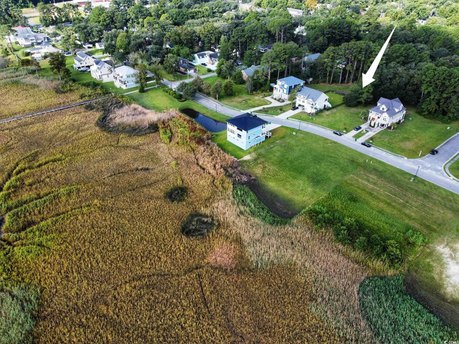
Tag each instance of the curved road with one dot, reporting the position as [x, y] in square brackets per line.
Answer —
[429, 167]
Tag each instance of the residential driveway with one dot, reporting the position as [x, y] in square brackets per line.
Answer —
[371, 132]
[446, 151]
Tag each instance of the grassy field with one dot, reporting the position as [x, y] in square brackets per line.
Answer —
[241, 99]
[157, 99]
[454, 168]
[331, 88]
[276, 110]
[304, 169]
[103, 246]
[340, 118]
[31, 94]
[416, 135]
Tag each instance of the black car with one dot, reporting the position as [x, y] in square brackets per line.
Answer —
[366, 144]
[357, 128]
[434, 152]
[339, 133]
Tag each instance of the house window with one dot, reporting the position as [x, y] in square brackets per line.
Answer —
[239, 136]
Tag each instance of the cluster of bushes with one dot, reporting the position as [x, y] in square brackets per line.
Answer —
[177, 194]
[198, 225]
[350, 231]
[254, 207]
[395, 317]
[173, 93]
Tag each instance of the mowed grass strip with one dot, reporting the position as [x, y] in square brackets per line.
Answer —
[454, 168]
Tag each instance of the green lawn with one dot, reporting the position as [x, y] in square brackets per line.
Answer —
[454, 168]
[416, 135]
[341, 118]
[331, 88]
[335, 99]
[303, 169]
[276, 110]
[157, 99]
[241, 99]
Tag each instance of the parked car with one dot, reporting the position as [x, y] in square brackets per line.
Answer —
[434, 152]
[83, 69]
[68, 53]
[339, 133]
[357, 128]
[366, 144]
[294, 107]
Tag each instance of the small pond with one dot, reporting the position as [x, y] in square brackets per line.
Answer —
[209, 123]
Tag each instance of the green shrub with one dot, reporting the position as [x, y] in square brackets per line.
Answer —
[18, 306]
[198, 225]
[395, 317]
[165, 134]
[254, 207]
[177, 194]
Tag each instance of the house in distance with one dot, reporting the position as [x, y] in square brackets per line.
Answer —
[285, 86]
[311, 100]
[246, 130]
[386, 113]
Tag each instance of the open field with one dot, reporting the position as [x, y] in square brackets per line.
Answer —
[416, 135]
[241, 99]
[103, 245]
[157, 99]
[276, 110]
[31, 94]
[341, 118]
[305, 169]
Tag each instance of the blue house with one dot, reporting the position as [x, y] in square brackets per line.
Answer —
[246, 130]
[285, 86]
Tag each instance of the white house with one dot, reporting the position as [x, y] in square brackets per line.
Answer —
[207, 58]
[285, 86]
[311, 100]
[27, 38]
[102, 71]
[40, 52]
[83, 60]
[246, 130]
[126, 77]
[295, 13]
[386, 113]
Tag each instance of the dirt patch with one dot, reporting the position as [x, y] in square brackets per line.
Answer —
[224, 256]
[450, 273]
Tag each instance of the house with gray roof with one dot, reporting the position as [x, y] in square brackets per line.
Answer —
[285, 86]
[207, 59]
[102, 71]
[311, 100]
[386, 113]
[249, 72]
[83, 60]
[311, 57]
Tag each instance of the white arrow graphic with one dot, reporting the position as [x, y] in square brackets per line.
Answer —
[368, 77]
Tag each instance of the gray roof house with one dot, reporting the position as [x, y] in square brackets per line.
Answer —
[311, 100]
[249, 72]
[311, 57]
[386, 113]
[83, 60]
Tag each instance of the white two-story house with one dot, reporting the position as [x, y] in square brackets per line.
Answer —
[246, 130]
[285, 86]
[102, 71]
[207, 58]
[311, 100]
[386, 113]
[83, 60]
[126, 77]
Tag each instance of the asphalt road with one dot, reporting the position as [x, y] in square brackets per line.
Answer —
[429, 167]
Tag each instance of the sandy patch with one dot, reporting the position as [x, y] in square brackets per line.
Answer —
[450, 268]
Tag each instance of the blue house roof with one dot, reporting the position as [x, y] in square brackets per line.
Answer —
[312, 57]
[291, 81]
[247, 121]
[310, 93]
[251, 70]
